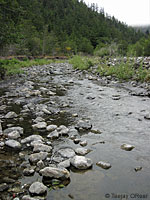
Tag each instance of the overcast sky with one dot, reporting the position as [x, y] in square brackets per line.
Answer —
[131, 12]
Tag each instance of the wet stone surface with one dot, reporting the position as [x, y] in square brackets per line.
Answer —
[57, 124]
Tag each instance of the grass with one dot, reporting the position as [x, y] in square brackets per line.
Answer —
[123, 71]
[81, 62]
[15, 66]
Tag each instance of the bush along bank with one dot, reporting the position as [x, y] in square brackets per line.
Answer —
[120, 68]
[15, 66]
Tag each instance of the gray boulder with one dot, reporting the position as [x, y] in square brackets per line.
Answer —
[35, 157]
[66, 153]
[51, 128]
[17, 128]
[13, 144]
[11, 115]
[53, 135]
[83, 125]
[82, 151]
[81, 162]
[32, 138]
[42, 147]
[52, 172]
[14, 135]
[37, 188]
[39, 125]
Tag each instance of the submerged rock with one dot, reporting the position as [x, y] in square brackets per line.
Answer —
[103, 165]
[52, 172]
[37, 188]
[127, 147]
[64, 164]
[81, 162]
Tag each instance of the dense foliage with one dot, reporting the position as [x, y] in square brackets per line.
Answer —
[53, 27]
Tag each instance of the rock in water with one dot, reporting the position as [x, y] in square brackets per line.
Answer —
[37, 188]
[81, 162]
[127, 147]
[104, 165]
[52, 172]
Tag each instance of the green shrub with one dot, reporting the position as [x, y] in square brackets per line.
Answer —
[81, 63]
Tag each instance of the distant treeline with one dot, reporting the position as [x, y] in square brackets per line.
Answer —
[60, 27]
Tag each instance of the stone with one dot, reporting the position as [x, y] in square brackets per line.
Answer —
[13, 144]
[2, 144]
[51, 128]
[147, 116]
[83, 143]
[52, 172]
[76, 140]
[14, 135]
[138, 169]
[82, 151]
[81, 162]
[29, 171]
[66, 153]
[27, 197]
[35, 157]
[1, 132]
[63, 130]
[17, 128]
[96, 131]
[53, 135]
[64, 164]
[103, 165]
[46, 111]
[38, 119]
[42, 147]
[37, 188]
[3, 187]
[36, 142]
[11, 115]
[39, 125]
[40, 164]
[83, 125]
[32, 138]
[127, 147]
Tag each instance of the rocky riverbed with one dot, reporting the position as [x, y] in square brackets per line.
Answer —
[67, 134]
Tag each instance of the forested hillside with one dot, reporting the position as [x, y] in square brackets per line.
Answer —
[54, 27]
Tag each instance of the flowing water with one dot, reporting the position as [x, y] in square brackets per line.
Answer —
[109, 107]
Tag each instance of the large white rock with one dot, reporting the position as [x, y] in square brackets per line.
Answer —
[81, 162]
[52, 172]
[37, 188]
[13, 144]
